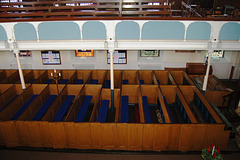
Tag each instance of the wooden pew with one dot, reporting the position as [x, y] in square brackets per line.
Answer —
[181, 78]
[97, 77]
[130, 77]
[163, 77]
[145, 77]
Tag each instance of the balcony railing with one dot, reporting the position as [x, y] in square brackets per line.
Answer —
[47, 10]
[66, 9]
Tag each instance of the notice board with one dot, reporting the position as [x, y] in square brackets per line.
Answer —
[51, 57]
[119, 57]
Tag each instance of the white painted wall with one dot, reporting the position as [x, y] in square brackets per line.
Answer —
[221, 66]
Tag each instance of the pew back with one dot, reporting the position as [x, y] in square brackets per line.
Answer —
[163, 77]
[98, 75]
[84, 75]
[181, 78]
[146, 76]
[131, 76]
[117, 78]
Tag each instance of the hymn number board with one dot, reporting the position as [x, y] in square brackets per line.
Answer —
[119, 57]
[51, 57]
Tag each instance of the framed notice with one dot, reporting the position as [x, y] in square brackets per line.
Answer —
[119, 57]
[84, 53]
[149, 53]
[51, 58]
[25, 53]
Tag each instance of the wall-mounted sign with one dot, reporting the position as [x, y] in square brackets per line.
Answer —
[51, 57]
[25, 53]
[119, 57]
[84, 53]
[149, 53]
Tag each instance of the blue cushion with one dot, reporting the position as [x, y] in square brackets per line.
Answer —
[94, 81]
[141, 81]
[124, 109]
[48, 81]
[146, 110]
[83, 110]
[79, 81]
[38, 116]
[64, 108]
[168, 109]
[33, 81]
[24, 107]
[9, 103]
[125, 81]
[63, 81]
[103, 111]
[107, 84]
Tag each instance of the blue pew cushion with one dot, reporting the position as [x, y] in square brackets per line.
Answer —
[64, 108]
[125, 81]
[103, 111]
[107, 84]
[33, 81]
[141, 81]
[38, 116]
[83, 109]
[124, 110]
[63, 81]
[48, 81]
[94, 81]
[79, 81]
[146, 110]
[24, 107]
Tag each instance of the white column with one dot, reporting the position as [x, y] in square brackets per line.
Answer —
[112, 79]
[20, 70]
[207, 72]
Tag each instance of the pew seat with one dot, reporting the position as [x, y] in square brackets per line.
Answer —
[125, 81]
[83, 109]
[63, 81]
[38, 116]
[33, 81]
[146, 110]
[94, 81]
[79, 81]
[48, 81]
[107, 84]
[103, 111]
[124, 110]
[24, 107]
[8, 103]
[64, 108]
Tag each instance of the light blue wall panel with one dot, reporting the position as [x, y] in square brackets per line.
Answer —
[94, 30]
[127, 30]
[230, 31]
[3, 35]
[25, 31]
[199, 31]
[59, 31]
[163, 30]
